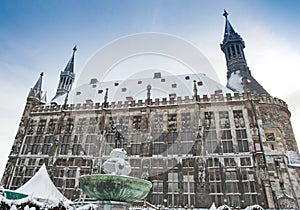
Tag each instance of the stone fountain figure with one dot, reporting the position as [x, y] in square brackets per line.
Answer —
[117, 164]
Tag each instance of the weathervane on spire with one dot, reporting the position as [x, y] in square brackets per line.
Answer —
[225, 14]
[74, 49]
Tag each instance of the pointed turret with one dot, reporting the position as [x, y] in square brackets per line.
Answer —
[239, 77]
[36, 91]
[66, 77]
[44, 98]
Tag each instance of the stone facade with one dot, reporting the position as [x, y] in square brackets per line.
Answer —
[235, 149]
[224, 149]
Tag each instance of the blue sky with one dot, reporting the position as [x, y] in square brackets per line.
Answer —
[39, 36]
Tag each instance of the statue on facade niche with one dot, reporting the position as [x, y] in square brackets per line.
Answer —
[263, 174]
[118, 141]
[118, 135]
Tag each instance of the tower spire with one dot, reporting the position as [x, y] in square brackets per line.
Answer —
[67, 77]
[229, 31]
[237, 69]
[36, 91]
[70, 65]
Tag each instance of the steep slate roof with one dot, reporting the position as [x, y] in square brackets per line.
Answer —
[136, 89]
[228, 27]
[36, 91]
[70, 65]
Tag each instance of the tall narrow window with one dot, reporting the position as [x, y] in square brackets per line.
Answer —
[233, 51]
[158, 143]
[173, 183]
[231, 182]
[172, 143]
[241, 136]
[238, 50]
[36, 147]
[226, 138]
[69, 126]
[229, 53]
[78, 139]
[65, 144]
[187, 142]
[211, 142]
[27, 145]
[31, 127]
[90, 146]
[157, 191]
[48, 141]
[41, 127]
[188, 190]
[51, 126]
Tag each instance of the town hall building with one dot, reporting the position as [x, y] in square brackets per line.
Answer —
[230, 145]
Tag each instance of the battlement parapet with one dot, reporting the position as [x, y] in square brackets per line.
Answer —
[187, 100]
[273, 100]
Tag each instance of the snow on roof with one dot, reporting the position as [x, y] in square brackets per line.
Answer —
[235, 81]
[136, 89]
[40, 186]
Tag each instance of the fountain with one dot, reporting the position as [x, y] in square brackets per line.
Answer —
[115, 189]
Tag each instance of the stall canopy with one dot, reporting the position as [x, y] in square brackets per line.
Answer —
[41, 186]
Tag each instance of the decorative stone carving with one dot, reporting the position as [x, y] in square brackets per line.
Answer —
[239, 119]
[209, 120]
[137, 122]
[172, 122]
[224, 120]
[158, 122]
[287, 202]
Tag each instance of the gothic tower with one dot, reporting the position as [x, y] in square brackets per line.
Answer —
[239, 78]
[35, 98]
[67, 77]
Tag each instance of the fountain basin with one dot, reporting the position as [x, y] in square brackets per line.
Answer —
[108, 187]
